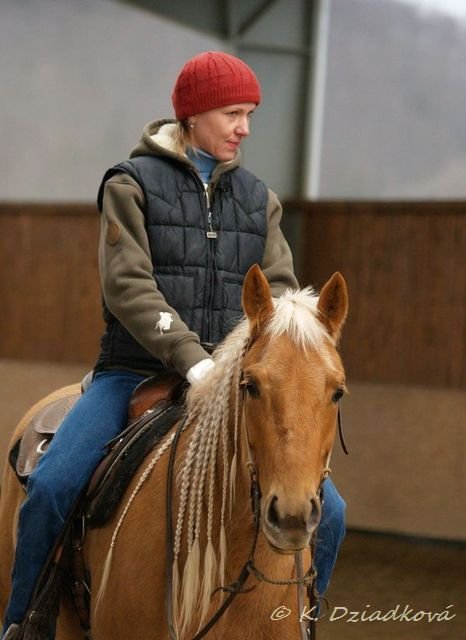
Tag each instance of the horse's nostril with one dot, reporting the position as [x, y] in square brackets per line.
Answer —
[272, 514]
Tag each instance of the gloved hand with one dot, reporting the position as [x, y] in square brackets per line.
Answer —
[198, 371]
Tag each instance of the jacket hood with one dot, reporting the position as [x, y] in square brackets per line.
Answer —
[157, 139]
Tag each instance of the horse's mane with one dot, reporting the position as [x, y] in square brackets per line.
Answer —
[209, 413]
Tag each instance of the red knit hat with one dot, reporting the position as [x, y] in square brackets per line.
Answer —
[213, 79]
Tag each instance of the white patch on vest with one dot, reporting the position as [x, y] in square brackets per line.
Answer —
[165, 321]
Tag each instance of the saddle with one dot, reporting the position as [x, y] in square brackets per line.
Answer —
[156, 404]
[38, 435]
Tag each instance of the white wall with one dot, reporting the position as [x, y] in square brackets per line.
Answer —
[78, 80]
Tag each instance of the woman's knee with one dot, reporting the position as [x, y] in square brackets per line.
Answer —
[41, 494]
[49, 492]
[333, 508]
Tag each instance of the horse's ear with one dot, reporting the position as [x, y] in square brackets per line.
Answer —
[333, 304]
[257, 298]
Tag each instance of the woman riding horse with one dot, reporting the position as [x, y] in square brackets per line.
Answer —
[182, 222]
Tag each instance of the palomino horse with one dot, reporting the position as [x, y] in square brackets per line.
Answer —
[270, 406]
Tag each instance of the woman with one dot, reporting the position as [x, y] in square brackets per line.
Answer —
[182, 223]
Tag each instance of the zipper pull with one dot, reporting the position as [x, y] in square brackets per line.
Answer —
[211, 234]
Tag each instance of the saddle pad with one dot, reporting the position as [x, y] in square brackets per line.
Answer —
[114, 474]
[38, 434]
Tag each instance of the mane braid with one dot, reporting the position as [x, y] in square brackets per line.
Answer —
[208, 404]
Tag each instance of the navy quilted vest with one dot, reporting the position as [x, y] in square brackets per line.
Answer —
[199, 258]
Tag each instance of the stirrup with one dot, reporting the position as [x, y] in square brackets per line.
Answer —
[32, 628]
[12, 633]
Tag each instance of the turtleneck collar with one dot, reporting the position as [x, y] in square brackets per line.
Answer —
[204, 162]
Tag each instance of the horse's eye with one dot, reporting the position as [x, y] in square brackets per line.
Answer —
[338, 394]
[252, 388]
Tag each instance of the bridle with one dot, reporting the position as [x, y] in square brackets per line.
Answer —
[305, 582]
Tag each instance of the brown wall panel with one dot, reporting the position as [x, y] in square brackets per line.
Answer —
[49, 282]
[404, 264]
[405, 268]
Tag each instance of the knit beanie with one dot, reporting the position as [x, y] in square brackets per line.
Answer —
[213, 79]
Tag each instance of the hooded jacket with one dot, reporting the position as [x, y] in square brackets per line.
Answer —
[133, 302]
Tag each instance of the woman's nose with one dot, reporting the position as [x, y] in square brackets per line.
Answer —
[243, 127]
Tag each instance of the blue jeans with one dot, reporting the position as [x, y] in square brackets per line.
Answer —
[64, 470]
[60, 476]
[330, 534]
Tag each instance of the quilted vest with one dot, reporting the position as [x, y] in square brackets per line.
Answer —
[200, 251]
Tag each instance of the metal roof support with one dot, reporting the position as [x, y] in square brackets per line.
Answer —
[254, 16]
[316, 99]
[305, 103]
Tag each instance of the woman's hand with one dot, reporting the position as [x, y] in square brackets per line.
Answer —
[199, 371]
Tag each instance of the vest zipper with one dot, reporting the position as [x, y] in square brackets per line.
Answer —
[211, 235]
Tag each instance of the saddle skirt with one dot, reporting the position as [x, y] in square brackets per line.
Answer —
[156, 404]
[39, 433]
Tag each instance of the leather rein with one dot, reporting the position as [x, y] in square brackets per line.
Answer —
[303, 582]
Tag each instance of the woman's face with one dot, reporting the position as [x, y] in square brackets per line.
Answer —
[221, 131]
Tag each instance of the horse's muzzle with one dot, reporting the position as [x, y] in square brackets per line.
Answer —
[287, 531]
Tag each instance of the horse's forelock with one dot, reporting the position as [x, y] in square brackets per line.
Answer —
[297, 316]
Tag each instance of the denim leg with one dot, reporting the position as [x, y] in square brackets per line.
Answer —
[61, 474]
[330, 534]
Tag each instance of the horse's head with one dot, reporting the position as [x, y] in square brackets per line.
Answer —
[292, 378]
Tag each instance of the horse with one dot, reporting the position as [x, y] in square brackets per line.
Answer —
[267, 411]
